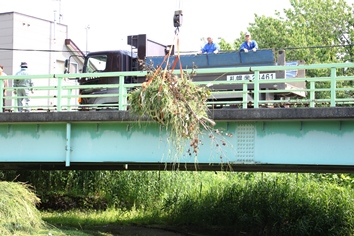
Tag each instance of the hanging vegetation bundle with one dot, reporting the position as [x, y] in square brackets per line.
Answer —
[176, 103]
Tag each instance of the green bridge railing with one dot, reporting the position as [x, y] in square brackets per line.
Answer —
[59, 92]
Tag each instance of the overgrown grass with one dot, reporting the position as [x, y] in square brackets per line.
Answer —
[227, 202]
[89, 219]
[230, 203]
[274, 205]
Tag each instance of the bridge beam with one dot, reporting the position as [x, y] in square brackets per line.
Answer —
[299, 140]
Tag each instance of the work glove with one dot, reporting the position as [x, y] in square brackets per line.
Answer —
[245, 50]
[254, 49]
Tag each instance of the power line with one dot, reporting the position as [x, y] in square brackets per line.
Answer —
[284, 48]
[35, 50]
[319, 46]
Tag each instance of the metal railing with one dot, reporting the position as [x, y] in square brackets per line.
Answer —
[59, 95]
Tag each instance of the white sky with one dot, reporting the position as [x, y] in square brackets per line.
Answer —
[111, 21]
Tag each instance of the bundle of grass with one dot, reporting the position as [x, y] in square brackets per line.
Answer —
[177, 104]
[18, 213]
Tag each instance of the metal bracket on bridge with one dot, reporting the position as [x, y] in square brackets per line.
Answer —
[68, 144]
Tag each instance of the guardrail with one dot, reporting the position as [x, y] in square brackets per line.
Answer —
[61, 95]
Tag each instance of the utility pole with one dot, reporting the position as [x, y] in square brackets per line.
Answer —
[60, 15]
[87, 30]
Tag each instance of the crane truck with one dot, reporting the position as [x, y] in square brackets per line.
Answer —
[152, 53]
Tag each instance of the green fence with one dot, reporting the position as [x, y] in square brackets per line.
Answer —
[60, 92]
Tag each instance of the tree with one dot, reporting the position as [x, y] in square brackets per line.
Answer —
[316, 31]
[225, 45]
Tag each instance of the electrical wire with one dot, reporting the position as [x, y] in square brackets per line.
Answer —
[70, 51]
[310, 47]
[35, 50]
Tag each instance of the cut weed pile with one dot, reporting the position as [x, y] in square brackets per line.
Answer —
[177, 104]
[18, 211]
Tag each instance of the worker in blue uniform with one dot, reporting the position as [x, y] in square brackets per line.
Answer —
[210, 47]
[249, 44]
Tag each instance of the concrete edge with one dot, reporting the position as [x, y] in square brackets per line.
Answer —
[260, 114]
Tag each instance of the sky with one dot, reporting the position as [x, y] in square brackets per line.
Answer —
[105, 24]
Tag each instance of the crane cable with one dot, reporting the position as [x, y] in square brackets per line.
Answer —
[177, 22]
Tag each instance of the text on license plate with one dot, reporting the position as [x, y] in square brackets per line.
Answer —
[262, 76]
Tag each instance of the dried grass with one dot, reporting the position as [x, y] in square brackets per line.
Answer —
[18, 212]
[177, 104]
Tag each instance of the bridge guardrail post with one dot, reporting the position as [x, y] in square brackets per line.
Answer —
[312, 94]
[333, 86]
[59, 94]
[244, 95]
[69, 99]
[256, 90]
[122, 94]
[1, 95]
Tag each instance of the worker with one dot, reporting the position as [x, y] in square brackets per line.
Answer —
[210, 47]
[249, 44]
[26, 86]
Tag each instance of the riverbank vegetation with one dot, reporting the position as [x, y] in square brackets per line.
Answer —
[228, 202]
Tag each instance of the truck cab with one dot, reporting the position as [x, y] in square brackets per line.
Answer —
[105, 61]
[116, 61]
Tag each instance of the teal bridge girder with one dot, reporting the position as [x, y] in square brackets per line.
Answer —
[264, 139]
[314, 135]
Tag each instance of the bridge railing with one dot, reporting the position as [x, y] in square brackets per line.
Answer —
[60, 92]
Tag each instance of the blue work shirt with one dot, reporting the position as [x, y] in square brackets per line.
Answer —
[253, 44]
[210, 48]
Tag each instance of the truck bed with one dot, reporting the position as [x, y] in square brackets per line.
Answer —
[265, 57]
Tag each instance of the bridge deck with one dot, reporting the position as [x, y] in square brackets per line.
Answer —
[259, 114]
[262, 139]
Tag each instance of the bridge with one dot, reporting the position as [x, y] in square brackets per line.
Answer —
[294, 135]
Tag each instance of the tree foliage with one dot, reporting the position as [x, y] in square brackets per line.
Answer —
[314, 31]
[317, 31]
[224, 45]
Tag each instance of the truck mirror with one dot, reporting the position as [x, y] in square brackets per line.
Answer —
[66, 64]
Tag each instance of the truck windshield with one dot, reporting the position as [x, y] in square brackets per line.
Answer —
[96, 63]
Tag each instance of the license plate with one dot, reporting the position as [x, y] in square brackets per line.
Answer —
[262, 76]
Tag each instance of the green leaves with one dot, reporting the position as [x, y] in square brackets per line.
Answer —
[309, 30]
[224, 45]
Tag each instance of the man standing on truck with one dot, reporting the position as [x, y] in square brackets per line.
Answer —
[210, 47]
[248, 44]
[26, 86]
